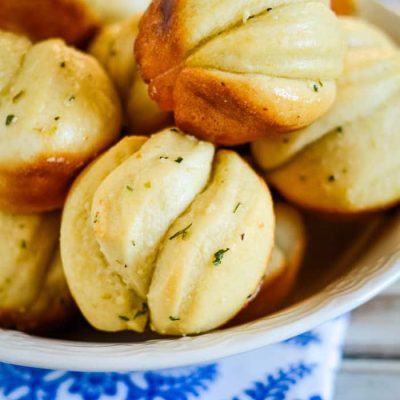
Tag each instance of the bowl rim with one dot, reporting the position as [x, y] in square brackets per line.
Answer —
[349, 291]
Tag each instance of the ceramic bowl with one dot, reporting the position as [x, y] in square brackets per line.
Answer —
[351, 263]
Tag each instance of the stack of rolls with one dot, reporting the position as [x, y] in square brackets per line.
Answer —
[169, 231]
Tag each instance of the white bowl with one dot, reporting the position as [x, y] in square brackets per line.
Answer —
[325, 291]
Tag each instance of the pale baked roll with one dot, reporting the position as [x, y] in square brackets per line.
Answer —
[164, 231]
[347, 161]
[58, 110]
[283, 267]
[72, 20]
[34, 295]
[117, 10]
[234, 71]
[113, 47]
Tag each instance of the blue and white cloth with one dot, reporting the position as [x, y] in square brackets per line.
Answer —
[301, 368]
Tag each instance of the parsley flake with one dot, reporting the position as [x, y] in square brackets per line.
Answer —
[179, 160]
[237, 207]
[171, 318]
[339, 129]
[182, 233]
[141, 312]
[176, 130]
[218, 256]
[331, 178]
[315, 87]
[10, 119]
[123, 317]
[147, 185]
[129, 188]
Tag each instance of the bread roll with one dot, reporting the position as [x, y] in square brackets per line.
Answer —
[58, 110]
[286, 258]
[164, 230]
[113, 47]
[347, 161]
[34, 296]
[71, 20]
[234, 71]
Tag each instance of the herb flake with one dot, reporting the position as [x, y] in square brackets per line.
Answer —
[10, 119]
[142, 312]
[123, 318]
[129, 188]
[219, 255]
[237, 207]
[179, 160]
[182, 233]
[171, 318]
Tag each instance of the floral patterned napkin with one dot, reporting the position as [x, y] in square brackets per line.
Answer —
[301, 368]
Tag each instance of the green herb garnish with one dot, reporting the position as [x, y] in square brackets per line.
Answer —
[163, 158]
[179, 160]
[182, 233]
[71, 99]
[141, 312]
[123, 317]
[218, 256]
[171, 318]
[176, 130]
[129, 188]
[339, 129]
[23, 244]
[9, 119]
[315, 87]
[147, 185]
[236, 208]
[331, 178]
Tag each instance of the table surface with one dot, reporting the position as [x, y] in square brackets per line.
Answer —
[371, 365]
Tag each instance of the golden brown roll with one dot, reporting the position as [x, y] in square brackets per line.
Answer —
[234, 71]
[34, 295]
[58, 110]
[113, 47]
[283, 267]
[347, 161]
[71, 20]
[164, 230]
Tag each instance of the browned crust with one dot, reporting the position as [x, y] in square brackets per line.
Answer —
[225, 109]
[59, 311]
[157, 46]
[71, 20]
[39, 186]
[344, 7]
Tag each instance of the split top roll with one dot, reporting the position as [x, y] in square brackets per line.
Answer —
[235, 71]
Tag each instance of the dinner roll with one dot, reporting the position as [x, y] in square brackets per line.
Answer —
[286, 258]
[347, 161]
[58, 110]
[113, 47]
[117, 10]
[34, 295]
[234, 71]
[71, 20]
[164, 230]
